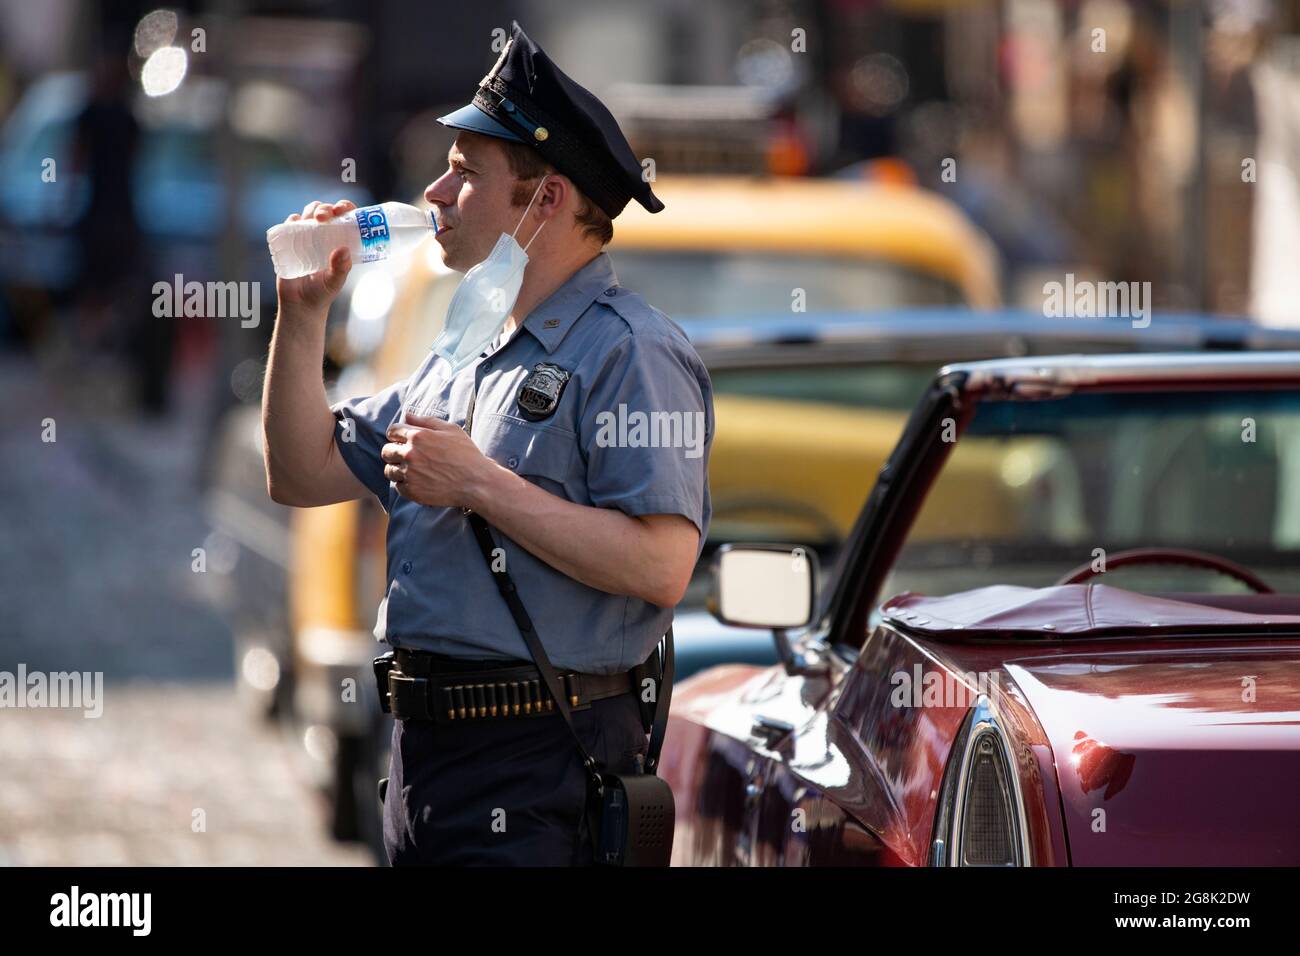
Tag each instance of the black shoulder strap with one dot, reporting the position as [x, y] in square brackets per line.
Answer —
[660, 727]
[511, 594]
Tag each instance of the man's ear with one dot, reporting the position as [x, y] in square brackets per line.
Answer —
[556, 194]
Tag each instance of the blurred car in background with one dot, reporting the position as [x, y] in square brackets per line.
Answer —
[180, 186]
[742, 247]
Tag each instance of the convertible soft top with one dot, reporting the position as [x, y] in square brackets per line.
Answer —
[1082, 609]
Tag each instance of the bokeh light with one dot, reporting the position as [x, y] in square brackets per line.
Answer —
[154, 31]
[164, 70]
[246, 380]
[880, 83]
[765, 63]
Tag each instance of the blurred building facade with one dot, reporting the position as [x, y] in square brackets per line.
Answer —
[1142, 140]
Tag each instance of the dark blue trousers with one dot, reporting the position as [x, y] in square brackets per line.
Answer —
[509, 792]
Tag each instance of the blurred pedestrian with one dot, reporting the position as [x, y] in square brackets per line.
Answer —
[111, 305]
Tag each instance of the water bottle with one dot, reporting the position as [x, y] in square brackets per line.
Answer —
[371, 233]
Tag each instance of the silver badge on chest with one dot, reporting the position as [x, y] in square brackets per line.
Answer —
[540, 393]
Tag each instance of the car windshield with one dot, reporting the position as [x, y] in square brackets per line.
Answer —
[721, 284]
[795, 446]
[1034, 489]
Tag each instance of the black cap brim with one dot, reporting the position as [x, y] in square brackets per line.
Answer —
[476, 121]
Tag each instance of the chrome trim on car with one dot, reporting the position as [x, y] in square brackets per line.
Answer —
[892, 328]
[981, 722]
[1048, 376]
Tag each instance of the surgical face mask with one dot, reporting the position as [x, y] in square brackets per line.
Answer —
[482, 302]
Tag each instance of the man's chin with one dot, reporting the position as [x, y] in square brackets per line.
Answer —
[451, 259]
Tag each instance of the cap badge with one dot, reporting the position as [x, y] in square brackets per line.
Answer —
[505, 52]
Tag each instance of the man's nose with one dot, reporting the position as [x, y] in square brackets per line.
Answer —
[441, 191]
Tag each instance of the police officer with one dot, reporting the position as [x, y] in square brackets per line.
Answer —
[580, 432]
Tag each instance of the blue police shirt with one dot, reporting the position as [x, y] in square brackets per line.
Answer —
[632, 429]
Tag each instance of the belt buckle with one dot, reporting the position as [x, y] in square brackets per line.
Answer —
[403, 691]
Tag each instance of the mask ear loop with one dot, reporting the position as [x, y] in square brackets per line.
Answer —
[525, 215]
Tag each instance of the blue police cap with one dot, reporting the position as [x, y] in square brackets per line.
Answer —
[526, 98]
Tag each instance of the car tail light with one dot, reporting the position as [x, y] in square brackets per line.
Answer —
[980, 821]
[987, 839]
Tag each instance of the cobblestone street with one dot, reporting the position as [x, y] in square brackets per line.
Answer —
[125, 788]
[95, 575]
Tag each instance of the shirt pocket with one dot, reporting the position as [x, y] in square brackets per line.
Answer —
[533, 449]
[429, 406]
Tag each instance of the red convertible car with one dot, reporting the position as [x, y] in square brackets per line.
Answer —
[1111, 677]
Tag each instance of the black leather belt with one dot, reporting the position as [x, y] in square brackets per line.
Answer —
[425, 686]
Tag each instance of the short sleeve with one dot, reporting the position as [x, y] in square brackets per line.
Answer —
[646, 430]
[361, 432]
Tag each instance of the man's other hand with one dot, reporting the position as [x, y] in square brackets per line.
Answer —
[433, 462]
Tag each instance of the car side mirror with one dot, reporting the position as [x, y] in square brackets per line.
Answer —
[769, 585]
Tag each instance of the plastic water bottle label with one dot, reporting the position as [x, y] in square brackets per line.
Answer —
[374, 233]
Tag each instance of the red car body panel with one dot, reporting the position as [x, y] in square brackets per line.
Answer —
[1150, 730]
[1160, 760]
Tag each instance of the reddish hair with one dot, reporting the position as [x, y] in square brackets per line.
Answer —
[528, 167]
